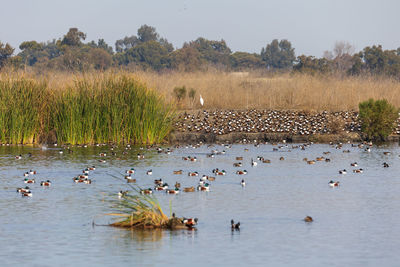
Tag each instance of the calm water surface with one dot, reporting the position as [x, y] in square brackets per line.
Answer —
[356, 224]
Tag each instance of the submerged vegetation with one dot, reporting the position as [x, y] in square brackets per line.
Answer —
[106, 108]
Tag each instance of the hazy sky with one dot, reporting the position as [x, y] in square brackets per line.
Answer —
[312, 26]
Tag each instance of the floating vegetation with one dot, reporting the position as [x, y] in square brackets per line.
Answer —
[143, 211]
[101, 109]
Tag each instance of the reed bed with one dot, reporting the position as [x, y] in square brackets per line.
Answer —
[83, 109]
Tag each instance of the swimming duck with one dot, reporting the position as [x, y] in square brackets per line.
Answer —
[172, 191]
[158, 181]
[26, 174]
[239, 158]
[32, 172]
[178, 172]
[18, 157]
[45, 183]
[177, 185]
[148, 191]
[209, 178]
[26, 194]
[243, 183]
[333, 184]
[149, 172]
[358, 170]
[161, 187]
[223, 172]
[354, 164]
[385, 165]
[253, 163]
[102, 160]
[235, 226]
[188, 189]
[367, 149]
[320, 158]
[92, 168]
[343, 171]
[193, 158]
[189, 222]
[87, 181]
[140, 156]
[130, 171]
[103, 154]
[386, 153]
[122, 193]
[241, 172]
[203, 187]
[281, 158]
[29, 181]
[23, 190]
[266, 161]
[327, 160]
[308, 219]
[260, 158]
[204, 178]
[237, 164]
[193, 174]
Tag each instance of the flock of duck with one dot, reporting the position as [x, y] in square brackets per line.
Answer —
[268, 121]
[205, 180]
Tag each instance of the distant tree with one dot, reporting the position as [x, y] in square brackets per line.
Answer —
[144, 34]
[243, 60]
[278, 54]
[100, 59]
[150, 54]
[101, 44]
[341, 56]
[5, 53]
[311, 65]
[73, 37]
[185, 59]
[214, 52]
[31, 51]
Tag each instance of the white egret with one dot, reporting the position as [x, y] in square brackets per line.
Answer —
[201, 101]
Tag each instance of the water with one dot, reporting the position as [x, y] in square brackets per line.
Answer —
[356, 224]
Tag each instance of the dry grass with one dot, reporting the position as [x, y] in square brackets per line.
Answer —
[285, 91]
[223, 90]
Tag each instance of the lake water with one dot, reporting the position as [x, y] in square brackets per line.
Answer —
[355, 224]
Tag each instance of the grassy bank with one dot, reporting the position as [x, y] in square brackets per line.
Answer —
[82, 109]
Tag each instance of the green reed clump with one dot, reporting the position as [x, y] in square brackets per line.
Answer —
[111, 109]
[22, 101]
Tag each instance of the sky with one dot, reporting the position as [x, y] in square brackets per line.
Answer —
[312, 26]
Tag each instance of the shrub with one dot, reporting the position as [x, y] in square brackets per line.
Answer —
[377, 118]
[180, 93]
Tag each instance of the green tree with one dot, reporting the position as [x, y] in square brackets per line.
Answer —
[5, 53]
[378, 118]
[101, 44]
[100, 59]
[243, 61]
[150, 54]
[213, 52]
[278, 54]
[31, 51]
[185, 59]
[311, 65]
[73, 37]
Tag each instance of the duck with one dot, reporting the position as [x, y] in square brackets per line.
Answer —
[102, 160]
[327, 160]
[333, 184]
[310, 162]
[18, 157]
[177, 172]
[210, 178]
[358, 170]
[92, 168]
[189, 189]
[189, 222]
[204, 178]
[193, 158]
[103, 154]
[86, 171]
[158, 181]
[29, 181]
[122, 193]
[281, 158]
[320, 158]
[308, 219]
[32, 172]
[26, 174]
[222, 172]
[45, 183]
[266, 161]
[237, 164]
[23, 190]
[367, 149]
[253, 163]
[385, 165]
[26, 194]
[235, 226]
[161, 187]
[193, 174]
[148, 191]
[239, 158]
[177, 185]
[140, 156]
[87, 181]
[149, 172]
[203, 187]
[172, 191]
[354, 164]
[241, 172]
[386, 153]
[130, 171]
[243, 183]
[343, 171]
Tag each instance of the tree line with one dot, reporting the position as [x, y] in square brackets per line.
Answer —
[147, 50]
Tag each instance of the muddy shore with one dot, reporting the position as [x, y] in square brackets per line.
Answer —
[243, 126]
